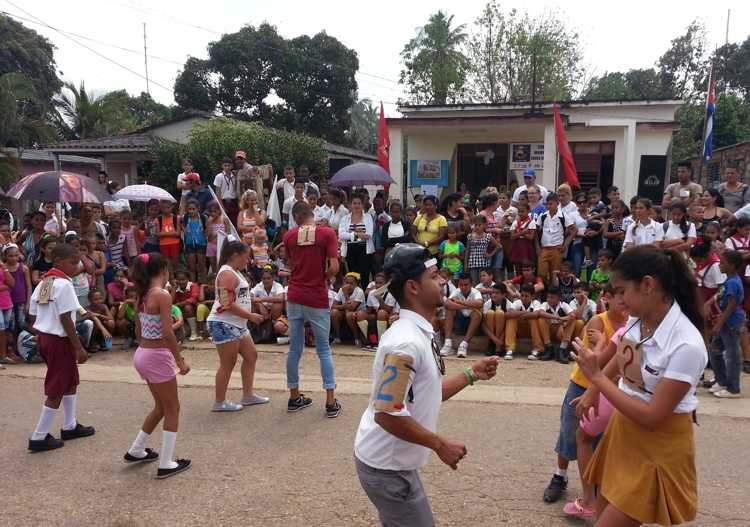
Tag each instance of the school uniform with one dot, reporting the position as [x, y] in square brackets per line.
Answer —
[640, 234]
[524, 328]
[552, 229]
[548, 328]
[494, 315]
[650, 475]
[588, 312]
[462, 317]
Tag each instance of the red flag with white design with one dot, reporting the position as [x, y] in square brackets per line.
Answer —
[563, 149]
[384, 142]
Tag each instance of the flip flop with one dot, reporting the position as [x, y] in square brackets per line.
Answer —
[576, 510]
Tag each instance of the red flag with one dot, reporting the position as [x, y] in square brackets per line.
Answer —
[384, 142]
[563, 149]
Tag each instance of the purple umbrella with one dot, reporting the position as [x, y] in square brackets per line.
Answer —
[360, 174]
[59, 187]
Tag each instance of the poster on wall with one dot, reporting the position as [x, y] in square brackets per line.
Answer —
[428, 172]
[526, 155]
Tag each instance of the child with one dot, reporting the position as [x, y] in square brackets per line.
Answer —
[644, 230]
[194, 239]
[157, 360]
[523, 315]
[20, 293]
[6, 314]
[493, 322]
[527, 276]
[280, 262]
[185, 296]
[169, 233]
[116, 290]
[556, 320]
[44, 263]
[740, 241]
[481, 247]
[485, 284]
[268, 300]
[447, 290]
[215, 223]
[206, 300]
[96, 248]
[463, 311]
[565, 281]
[117, 244]
[600, 275]
[707, 272]
[369, 317]
[555, 233]
[452, 252]
[80, 276]
[260, 256]
[128, 230]
[386, 308]
[726, 356]
[411, 214]
[349, 300]
[53, 224]
[712, 235]
[151, 228]
[107, 321]
[583, 308]
[55, 305]
[522, 236]
[125, 318]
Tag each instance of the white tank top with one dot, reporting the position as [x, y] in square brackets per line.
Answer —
[242, 299]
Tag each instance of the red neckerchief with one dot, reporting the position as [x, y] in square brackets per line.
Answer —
[712, 259]
[56, 273]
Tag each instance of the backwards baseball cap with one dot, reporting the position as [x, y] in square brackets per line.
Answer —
[407, 261]
[240, 154]
[529, 172]
[193, 176]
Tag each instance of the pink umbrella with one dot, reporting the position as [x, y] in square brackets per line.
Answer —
[59, 187]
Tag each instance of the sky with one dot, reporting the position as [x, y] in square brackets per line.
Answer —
[619, 36]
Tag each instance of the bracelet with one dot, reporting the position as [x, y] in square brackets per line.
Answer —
[469, 376]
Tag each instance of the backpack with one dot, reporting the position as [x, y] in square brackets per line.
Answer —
[541, 223]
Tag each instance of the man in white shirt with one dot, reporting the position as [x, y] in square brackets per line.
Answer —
[225, 183]
[529, 180]
[463, 311]
[286, 210]
[556, 319]
[399, 427]
[287, 184]
[556, 231]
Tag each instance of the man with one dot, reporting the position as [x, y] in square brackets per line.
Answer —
[313, 256]
[399, 427]
[536, 203]
[196, 192]
[247, 171]
[529, 180]
[735, 193]
[299, 195]
[304, 175]
[684, 190]
[555, 232]
[225, 183]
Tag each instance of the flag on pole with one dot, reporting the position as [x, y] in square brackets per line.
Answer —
[708, 125]
[384, 145]
[563, 149]
[273, 204]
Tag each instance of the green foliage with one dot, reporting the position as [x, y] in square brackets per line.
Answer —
[130, 113]
[435, 66]
[363, 133]
[19, 125]
[83, 114]
[632, 84]
[192, 88]
[211, 142]
[684, 66]
[732, 63]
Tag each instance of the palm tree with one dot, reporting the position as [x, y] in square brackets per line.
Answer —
[82, 115]
[18, 126]
[364, 129]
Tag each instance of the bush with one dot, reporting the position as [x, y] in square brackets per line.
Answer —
[219, 138]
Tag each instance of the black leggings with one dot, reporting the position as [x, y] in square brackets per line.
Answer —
[358, 261]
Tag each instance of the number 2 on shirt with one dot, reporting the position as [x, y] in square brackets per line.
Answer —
[386, 381]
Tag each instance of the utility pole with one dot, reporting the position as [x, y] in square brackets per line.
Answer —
[726, 37]
[145, 58]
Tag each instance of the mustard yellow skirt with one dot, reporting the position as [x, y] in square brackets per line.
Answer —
[648, 475]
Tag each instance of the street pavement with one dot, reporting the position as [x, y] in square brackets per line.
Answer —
[264, 467]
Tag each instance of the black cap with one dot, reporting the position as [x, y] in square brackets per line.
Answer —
[407, 261]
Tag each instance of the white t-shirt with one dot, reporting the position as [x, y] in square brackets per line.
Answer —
[357, 296]
[588, 312]
[517, 193]
[181, 179]
[242, 299]
[553, 232]
[287, 209]
[570, 208]
[62, 300]
[534, 306]
[737, 243]
[52, 226]
[675, 351]
[336, 215]
[501, 215]
[509, 306]
[226, 186]
[320, 213]
[473, 295]
[259, 291]
[562, 309]
[710, 276]
[674, 232]
[374, 303]
[410, 336]
[531, 224]
[653, 232]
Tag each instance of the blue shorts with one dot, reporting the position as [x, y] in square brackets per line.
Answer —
[6, 319]
[221, 332]
[566, 440]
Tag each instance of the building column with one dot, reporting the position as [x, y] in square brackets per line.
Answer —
[630, 181]
[549, 178]
[396, 164]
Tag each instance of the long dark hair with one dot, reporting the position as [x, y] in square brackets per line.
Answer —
[646, 203]
[449, 200]
[670, 269]
[718, 197]
[684, 225]
[143, 269]
[229, 249]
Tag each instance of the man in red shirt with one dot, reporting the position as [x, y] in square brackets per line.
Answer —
[313, 255]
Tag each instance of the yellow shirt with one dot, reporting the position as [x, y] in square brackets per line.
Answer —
[577, 376]
[428, 231]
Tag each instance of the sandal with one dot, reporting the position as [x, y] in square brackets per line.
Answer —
[576, 510]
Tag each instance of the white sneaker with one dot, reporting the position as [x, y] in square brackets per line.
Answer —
[337, 341]
[193, 338]
[534, 355]
[463, 349]
[227, 406]
[447, 348]
[508, 355]
[725, 394]
[716, 388]
[282, 340]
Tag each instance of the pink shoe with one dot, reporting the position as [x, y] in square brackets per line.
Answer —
[576, 510]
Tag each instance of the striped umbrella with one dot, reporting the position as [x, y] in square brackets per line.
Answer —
[144, 193]
[60, 187]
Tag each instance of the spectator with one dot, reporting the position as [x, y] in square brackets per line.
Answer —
[684, 189]
[225, 183]
[734, 193]
[185, 295]
[463, 312]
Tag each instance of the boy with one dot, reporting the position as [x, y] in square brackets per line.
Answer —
[555, 232]
[463, 310]
[485, 284]
[523, 315]
[125, 318]
[55, 306]
[583, 307]
[556, 320]
[565, 281]
[600, 275]
[185, 296]
[493, 320]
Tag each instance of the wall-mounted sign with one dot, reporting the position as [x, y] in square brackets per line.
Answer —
[428, 172]
[527, 155]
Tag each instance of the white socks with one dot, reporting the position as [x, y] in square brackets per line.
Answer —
[139, 445]
[562, 472]
[46, 418]
[193, 325]
[69, 408]
[168, 439]
[382, 326]
[363, 328]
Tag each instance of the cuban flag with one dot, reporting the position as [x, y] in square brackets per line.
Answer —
[708, 129]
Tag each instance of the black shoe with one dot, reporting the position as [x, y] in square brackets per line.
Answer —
[48, 443]
[333, 410]
[746, 367]
[549, 353]
[300, 403]
[182, 466]
[150, 456]
[557, 486]
[563, 356]
[79, 431]
[707, 383]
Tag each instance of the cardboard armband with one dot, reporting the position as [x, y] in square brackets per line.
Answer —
[45, 290]
[226, 299]
[306, 235]
[393, 385]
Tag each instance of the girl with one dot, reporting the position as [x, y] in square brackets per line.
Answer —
[7, 283]
[116, 290]
[118, 247]
[85, 267]
[522, 236]
[215, 223]
[151, 227]
[96, 247]
[227, 325]
[712, 236]
[411, 215]
[259, 253]
[129, 231]
[169, 233]
[645, 230]
[480, 248]
[53, 225]
[495, 228]
[349, 301]
[356, 230]
[30, 238]
[20, 293]
[398, 230]
[194, 239]
[250, 218]
[452, 253]
[157, 360]
[102, 333]
[679, 233]
[614, 228]
[660, 358]
[44, 263]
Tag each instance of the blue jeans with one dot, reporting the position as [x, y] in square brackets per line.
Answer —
[566, 440]
[85, 328]
[320, 320]
[575, 257]
[726, 358]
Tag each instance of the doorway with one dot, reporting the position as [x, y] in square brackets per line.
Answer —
[482, 165]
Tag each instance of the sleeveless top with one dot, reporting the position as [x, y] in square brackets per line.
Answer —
[150, 323]
[194, 234]
[241, 298]
[216, 228]
[18, 291]
[168, 225]
[248, 222]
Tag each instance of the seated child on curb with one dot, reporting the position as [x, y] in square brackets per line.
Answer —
[206, 300]
[583, 308]
[185, 296]
[349, 300]
[463, 312]
[493, 322]
[556, 320]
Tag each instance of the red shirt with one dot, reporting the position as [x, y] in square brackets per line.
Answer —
[308, 285]
[190, 294]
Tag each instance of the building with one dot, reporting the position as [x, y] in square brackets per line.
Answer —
[711, 174]
[472, 146]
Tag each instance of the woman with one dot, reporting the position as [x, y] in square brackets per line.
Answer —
[29, 239]
[734, 193]
[227, 324]
[575, 254]
[356, 231]
[249, 217]
[430, 227]
[338, 211]
[567, 205]
[713, 206]
[614, 228]
[158, 361]
[456, 215]
[495, 228]
[645, 462]
[679, 233]
[645, 230]
[398, 230]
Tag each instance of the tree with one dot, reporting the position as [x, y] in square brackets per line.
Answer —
[82, 115]
[435, 67]
[131, 113]
[684, 66]
[193, 89]
[732, 67]
[19, 126]
[633, 84]
[363, 133]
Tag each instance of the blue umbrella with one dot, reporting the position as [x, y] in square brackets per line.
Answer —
[360, 174]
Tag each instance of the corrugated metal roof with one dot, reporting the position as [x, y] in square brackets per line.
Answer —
[46, 155]
[350, 152]
[118, 142]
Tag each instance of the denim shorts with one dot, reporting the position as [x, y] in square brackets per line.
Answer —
[221, 332]
[566, 440]
[6, 319]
